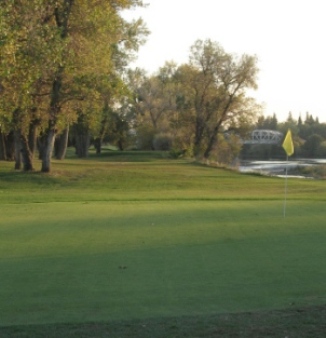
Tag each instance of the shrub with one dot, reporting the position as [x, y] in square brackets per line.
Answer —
[316, 171]
[321, 150]
[162, 141]
[145, 137]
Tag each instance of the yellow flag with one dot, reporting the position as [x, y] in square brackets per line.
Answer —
[288, 143]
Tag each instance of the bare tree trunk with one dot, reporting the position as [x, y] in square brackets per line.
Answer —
[41, 145]
[199, 131]
[82, 144]
[62, 16]
[50, 133]
[10, 146]
[49, 138]
[32, 137]
[61, 144]
[3, 150]
[27, 154]
[211, 142]
[98, 145]
[104, 127]
[17, 142]
[120, 144]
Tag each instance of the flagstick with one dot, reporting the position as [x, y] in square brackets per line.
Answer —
[285, 186]
[289, 149]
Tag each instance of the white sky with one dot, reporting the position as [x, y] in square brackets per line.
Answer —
[288, 37]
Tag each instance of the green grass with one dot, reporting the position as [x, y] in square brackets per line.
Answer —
[296, 322]
[121, 242]
[159, 178]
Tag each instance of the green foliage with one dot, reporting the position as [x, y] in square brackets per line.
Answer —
[60, 57]
[269, 122]
[176, 153]
[194, 102]
[162, 141]
[228, 149]
[262, 152]
[118, 131]
[145, 137]
[216, 91]
[308, 138]
[311, 146]
[315, 171]
[321, 150]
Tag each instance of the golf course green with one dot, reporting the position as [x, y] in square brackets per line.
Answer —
[138, 237]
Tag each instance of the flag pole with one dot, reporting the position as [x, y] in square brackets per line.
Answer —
[285, 186]
[289, 150]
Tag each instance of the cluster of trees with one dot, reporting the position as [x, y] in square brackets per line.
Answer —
[191, 107]
[309, 138]
[62, 64]
[64, 77]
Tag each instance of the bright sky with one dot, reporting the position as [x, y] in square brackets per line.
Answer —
[288, 37]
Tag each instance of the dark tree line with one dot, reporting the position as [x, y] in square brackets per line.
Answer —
[309, 138]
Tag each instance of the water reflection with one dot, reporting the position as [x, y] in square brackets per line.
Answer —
[278, 168]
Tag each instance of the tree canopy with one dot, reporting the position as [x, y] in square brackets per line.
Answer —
[65, 76]
[197, 101]
[57, 57]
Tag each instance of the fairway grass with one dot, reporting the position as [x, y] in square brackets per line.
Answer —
[111, 241]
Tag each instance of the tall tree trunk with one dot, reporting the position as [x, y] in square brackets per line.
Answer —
[10, 146]
[27, 154]
[212, 140]
[120, 144]
[48, 150]
[104, 127]
[61, 144]
[41, 145]
[50, 133]
[32, 137]
[62, 16]
[3, 150]
[199, 131]
[82, 140]
[18, 158]
[98, 145]
[213, 136]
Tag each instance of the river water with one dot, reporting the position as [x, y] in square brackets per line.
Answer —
[278, 168]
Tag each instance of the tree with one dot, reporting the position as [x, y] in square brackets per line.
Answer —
[214, 90]
[154, 101]
[229, 148]
[309, 120]
[321, 150]
[90, 29]
[268, 122]
[290, 123]
[54, 48]
[26, 56]
[312, 146]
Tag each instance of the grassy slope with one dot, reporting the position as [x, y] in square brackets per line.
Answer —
[155, 239]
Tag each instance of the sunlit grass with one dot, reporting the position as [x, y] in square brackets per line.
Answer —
[156, 179]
